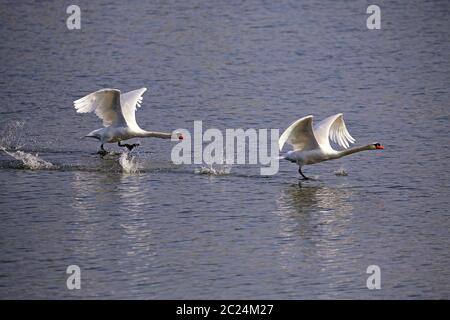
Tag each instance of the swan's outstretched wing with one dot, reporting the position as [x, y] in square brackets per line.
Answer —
[129, 102]
[300, 135]
[333, 128]
[105, 103]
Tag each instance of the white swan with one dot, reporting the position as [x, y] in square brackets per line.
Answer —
[118, 114]
[312, 145]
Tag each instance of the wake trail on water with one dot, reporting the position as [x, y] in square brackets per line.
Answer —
[29, 160]
[11, 141]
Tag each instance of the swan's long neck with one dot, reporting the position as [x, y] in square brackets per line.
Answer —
[347, 152]
[154, 134]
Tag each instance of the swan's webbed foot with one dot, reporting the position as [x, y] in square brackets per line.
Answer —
[128, 146]
[301, 173]
[132, 146]
[102, 151]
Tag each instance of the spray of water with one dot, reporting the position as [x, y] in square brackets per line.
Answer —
[11, 141]
[215, 170]
[341, 172]
[11, 135]
[129, 162]
[29, 160]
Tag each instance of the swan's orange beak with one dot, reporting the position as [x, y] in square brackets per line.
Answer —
[180, 137]
[380, 147]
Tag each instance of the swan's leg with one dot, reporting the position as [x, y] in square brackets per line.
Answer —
[128, 146]
[300, 171]
[102, 150]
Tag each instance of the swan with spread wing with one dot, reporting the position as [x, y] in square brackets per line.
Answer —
[311, 144]
[117, 111]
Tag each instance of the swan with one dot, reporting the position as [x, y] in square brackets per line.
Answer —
[118, 114]
[311, 144]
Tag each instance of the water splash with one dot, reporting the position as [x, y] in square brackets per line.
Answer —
[341, 172]
[217, 170]
[129, 162]
[11, 136]
[29, 160]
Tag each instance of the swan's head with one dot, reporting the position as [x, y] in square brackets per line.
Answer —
[177, 135]
[376, 145]
[289, 155]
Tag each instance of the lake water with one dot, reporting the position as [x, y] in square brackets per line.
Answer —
[149, 229]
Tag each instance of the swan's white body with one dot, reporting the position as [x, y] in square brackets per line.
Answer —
[312, 144]
[118, 114]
